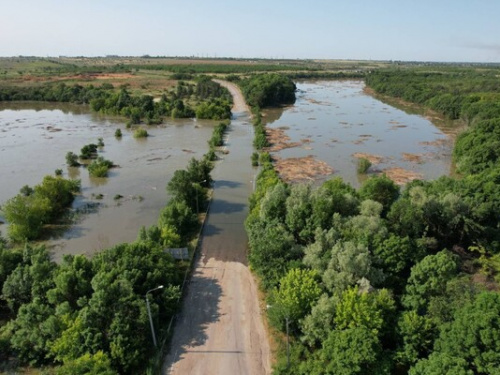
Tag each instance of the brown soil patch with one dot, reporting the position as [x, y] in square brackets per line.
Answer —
[301, 169]
[279, 140]
[438, 142]
[402, 176]
[374, 159]
[393, 127]
[414, 158]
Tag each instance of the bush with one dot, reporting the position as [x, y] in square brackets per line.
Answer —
[118, 133]
[141, 133]
[363, 165]
[88, 151]
[255, 159]
[72, 159]
[99, 167]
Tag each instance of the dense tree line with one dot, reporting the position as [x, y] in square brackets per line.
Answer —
[377, 280]
[212, 99]
[382, 280]
[222, 68]
[470, 95]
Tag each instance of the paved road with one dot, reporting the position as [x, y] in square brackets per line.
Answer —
[220, 329]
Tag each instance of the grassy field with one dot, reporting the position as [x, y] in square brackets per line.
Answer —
[155, 75]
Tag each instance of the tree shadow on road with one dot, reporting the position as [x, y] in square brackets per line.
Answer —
[210, 230]
[199, 309]
[221, 206]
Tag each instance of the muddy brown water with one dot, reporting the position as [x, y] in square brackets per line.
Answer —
[34, 140]
[336, 119]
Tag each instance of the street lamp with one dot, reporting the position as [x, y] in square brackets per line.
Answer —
[149, 313]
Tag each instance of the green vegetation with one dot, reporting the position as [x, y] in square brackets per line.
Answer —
[99, 167]
[363, 165]
[89, 315]
[212, 101]
[118, 133]
[402, 275]
[268, 90]
[88, 311]
[217, 139]
[33, 208]
[469, 95]
[255, 159]
[140, 133]
[87, 152]
[72, 159]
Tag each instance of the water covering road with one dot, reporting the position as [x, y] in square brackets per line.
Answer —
[220, 329]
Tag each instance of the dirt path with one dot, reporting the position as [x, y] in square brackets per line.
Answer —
[220, 329]
[239, 104]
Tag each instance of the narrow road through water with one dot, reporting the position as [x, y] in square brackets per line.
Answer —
[220, 328]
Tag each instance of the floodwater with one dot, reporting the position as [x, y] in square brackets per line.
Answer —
[333, 120]
[34, 140]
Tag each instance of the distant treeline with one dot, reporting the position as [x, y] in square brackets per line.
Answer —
[214, 100]
[326, 75]
[469, 95]
[222, 68]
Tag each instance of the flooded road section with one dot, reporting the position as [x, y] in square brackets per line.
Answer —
[220, 329]
[336, 122]
[34, 142]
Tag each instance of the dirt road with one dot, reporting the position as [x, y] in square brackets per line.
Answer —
[239, 104]
[220, 329]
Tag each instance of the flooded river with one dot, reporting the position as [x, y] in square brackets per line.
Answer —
[337, 122]
[34, 140]
[333, 121]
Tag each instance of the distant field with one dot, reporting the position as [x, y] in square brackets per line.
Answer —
[155, 75]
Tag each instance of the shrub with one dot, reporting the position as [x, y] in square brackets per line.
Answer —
[363, 165]
[72, 159]
[88, 151]
[99, 167]
[141, 133]
[255, 159]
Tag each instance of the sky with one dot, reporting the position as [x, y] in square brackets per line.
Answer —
[407, 30]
